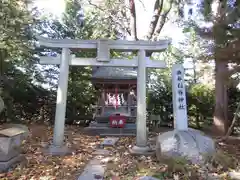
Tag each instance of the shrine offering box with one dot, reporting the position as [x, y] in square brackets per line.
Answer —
[117, 121]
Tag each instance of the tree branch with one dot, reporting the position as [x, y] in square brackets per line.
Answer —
[158, 6]
[162, 21]
[230, 129]
[142, 5]
[113, 17]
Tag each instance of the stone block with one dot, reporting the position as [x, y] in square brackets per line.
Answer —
[10, 144]
[110, 141]
[10, 139]
[6, 157]
[93, 171]
[58, 150]
[20, 126]
[146, 151]
[102, 152]
[6, 165]
[191, 144]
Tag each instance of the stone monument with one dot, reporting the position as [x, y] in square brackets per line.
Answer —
[183, 141]
[10, 144]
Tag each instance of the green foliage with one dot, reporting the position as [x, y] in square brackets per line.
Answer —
[159, 97]
[80, 104]
[200, 102]
[16, 59]
[14, 31]
[81, 93]
[19, 70]
[207, 8]
[176, 164]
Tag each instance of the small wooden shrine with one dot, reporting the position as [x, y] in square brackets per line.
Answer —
[114, 82]
[118, 95]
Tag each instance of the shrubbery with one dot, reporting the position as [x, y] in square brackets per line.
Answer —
[29, 103]
[200, 102]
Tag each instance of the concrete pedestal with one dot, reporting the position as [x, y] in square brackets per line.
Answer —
[146, 150]
[103, 129]
[6, 157]
[58, 150]
[6, 165]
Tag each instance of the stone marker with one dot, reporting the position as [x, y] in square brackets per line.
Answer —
[102, 152]
[110, 141]
[10, 142]
[183, 141]
[179, 98]
[93, 171]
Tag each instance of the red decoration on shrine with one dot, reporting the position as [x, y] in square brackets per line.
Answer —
[117, 121]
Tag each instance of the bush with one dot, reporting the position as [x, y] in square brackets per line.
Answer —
[159, 99]
[200, 100]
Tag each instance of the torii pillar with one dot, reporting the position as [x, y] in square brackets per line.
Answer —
[103, 59]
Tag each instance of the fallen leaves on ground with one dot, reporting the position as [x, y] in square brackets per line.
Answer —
[40, 166]
[122, 166]
[128, 167]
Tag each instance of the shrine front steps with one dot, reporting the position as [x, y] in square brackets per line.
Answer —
[108, 131]
[117, 135]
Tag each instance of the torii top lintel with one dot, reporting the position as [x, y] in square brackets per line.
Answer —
[121, 45]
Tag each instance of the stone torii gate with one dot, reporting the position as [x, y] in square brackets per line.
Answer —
[103, 59]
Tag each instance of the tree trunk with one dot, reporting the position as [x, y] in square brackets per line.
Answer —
[220, 120]
[133, 20]
[162, 20]
[1, 104]
[158, 6]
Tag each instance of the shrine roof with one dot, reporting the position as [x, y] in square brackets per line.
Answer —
[114, 73]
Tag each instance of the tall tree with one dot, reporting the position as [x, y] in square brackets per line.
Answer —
[81, 94]
[15, 47]
[224, 15]
[123, 13]
[15, 35]
[193, 47]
